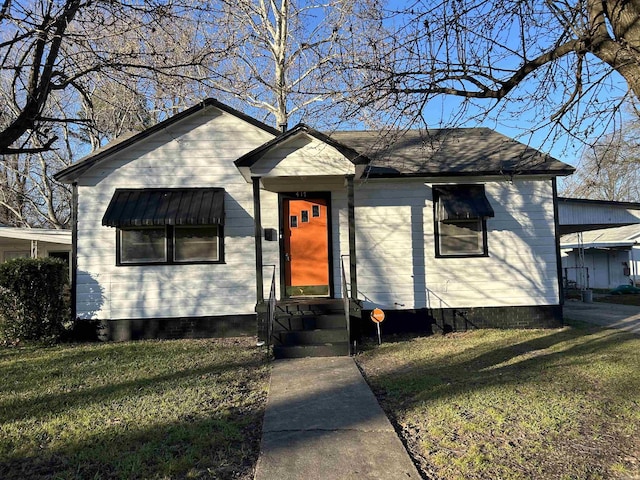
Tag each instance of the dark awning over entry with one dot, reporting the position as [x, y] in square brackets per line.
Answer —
[165, 206]
[457, 202]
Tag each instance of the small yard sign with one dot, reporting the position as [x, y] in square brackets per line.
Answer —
[377, 316]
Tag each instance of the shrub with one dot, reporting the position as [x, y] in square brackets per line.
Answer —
[32, 299]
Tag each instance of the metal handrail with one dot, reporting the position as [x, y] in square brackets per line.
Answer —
[271, 307]
[345, 300]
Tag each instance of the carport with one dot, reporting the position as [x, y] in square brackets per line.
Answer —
[597, 239]
[18, 242]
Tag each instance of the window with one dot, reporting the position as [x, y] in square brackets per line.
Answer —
[170, 245]
[460, 214]
[143, 245]
[167, 225]
[62, 255]
[462, 237]
[195, 244]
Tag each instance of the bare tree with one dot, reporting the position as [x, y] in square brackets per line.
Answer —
[610, 170]
[556, 60]
[14, 172]
[29, 197]
[281, 51]
[49, 46]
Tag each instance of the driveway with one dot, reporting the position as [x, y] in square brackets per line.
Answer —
[610, 315]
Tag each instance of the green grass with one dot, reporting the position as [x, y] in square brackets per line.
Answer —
[514, 404]
[152, 409]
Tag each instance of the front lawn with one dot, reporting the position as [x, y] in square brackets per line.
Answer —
[152, 409]
[514, 404]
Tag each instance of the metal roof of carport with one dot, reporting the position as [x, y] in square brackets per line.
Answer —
[38, 234]
[582, 215]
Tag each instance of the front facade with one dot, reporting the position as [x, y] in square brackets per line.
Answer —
[185, 229]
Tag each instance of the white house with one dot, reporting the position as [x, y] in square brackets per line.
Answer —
[603, 258]
[182, 228]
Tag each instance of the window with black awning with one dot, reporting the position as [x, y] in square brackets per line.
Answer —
[460, 202]
[167, 226]
[162, 206]
[460, 215]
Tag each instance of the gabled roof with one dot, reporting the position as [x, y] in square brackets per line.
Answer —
[249, 159]
[446, 152]
[73, 172]
[385, 153]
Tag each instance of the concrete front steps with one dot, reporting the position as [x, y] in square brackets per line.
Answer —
[310, 328]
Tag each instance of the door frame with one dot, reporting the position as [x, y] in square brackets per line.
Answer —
[307, 196]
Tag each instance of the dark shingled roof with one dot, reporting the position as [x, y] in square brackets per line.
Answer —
[459, 151]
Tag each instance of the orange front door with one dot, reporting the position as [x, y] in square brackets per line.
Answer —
[306, 247]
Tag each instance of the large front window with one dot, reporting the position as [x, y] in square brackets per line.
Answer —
[170, 245]
[167, 225]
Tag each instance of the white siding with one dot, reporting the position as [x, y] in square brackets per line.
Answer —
[397, 266]
[303, 156]
[196, 152]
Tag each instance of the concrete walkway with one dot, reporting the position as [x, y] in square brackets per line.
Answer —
[610, 315]
[323, 422]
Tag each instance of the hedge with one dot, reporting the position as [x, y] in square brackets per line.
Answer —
[33, 304]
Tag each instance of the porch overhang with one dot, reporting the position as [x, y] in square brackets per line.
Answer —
[301, 152]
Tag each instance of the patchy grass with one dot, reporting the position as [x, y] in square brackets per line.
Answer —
[631, 299]
[514, 404]
[152, 409]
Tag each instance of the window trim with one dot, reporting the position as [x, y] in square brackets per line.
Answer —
[436, 220]
[169, 249]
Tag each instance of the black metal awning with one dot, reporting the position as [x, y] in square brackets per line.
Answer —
[165, 206]
[459, 202]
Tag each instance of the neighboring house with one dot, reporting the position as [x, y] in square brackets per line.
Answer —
[609, 257]
[181, 228]
[34, 242]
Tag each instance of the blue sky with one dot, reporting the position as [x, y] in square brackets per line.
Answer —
[518, 116]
